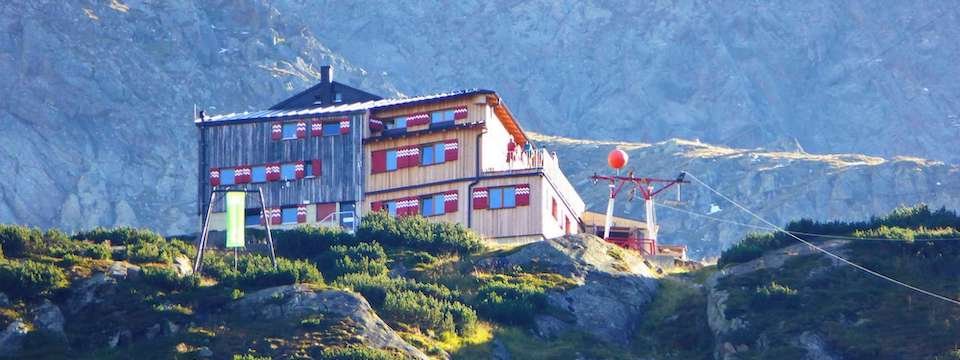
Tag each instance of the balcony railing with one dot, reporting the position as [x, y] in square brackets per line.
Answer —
[540, 160]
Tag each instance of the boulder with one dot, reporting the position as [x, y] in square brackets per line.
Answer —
[11, 338]
[297, 301]
[48, 317]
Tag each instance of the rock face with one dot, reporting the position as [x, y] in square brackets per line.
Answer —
[614, 285]
[780, 186]
[96, 97]
[297, 301]
[720, 325]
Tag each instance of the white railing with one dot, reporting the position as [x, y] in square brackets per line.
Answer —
[548, 163]
[335, 219]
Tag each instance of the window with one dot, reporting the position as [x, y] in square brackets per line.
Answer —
[308, 168]
[227, 176]
[553, 208]
[438, 117]
[397, 123]
[509, 197]
[503, 197]
[337, 97]
[288, 172]
[438, 204]
[439, 151]
[258, 174]
[391, 160]
[289, 131]
[289, 215]
[426, 206]
[331, 129]
[426, 155]
[391, 208]
[252, 217]
[348, 210]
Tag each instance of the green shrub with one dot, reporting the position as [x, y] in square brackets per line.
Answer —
[30, 279]
[367, 258]
[256, 271]
[375, 288]
[510, 303]
[119, 236]
[71, 260]
[306, 242]
[355, 352]
[99, 251]
[773, 294]
[18, 240]
[166, 278]
[414, 308]
[250, 357]
[418, 233]
[157, 250]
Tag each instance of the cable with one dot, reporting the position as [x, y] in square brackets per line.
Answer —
[801, 232]
[828, 253]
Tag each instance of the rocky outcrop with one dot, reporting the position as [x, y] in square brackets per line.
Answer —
[780, 186]
[297, 301]
[614, 285]
[721, 325]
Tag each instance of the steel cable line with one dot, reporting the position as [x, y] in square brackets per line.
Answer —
[826, 252]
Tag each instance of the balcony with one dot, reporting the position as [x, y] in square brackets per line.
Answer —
[542, 161]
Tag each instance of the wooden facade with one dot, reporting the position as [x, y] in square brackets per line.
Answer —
[481, 141]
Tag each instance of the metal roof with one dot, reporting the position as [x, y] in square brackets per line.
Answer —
[338, 109]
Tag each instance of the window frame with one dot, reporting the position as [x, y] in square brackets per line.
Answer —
[293, 169]
[253, 174]
[307, 169]
[283, 131]
[284, 212]
[232, 177]
[391, 207]
[424, 208]
[387, 161]
[330, 125]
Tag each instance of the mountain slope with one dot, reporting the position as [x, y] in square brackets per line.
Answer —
[780, 186]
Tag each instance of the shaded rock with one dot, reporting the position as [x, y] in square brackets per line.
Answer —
[297, 301]
[204, 352]
[614, 284]
[183, 266]
[815, 346]
[11, 339]
[48, 317]
[4, 300]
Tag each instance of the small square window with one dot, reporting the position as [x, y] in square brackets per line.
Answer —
[288, 171]
[392, 208]
[252, 217]
[438, 204]
[258, 174]
[496, 198]
[308, 168]
[397, 123]
[227, 176]
[426, 155]
[331, 129]
[509, 197]
[426, 206]
[439, 153]
[289, 131]
[337, 97]
[391, 160]
[289, 215]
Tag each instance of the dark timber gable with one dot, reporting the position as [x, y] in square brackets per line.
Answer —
[325, 94]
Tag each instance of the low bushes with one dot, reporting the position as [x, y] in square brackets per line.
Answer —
[510, 303]
[366, 258]
[375, 288]
[428, 313]
[17, 241]
[773, 294]
[157, 250]
[418, 233]
[168, 279]
[307, 242]
[256, 271]
[119, 236]
[30, 279]
[355, 352]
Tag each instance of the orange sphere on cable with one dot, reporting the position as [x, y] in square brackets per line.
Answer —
[617, 159]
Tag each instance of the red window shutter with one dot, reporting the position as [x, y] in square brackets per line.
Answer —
[378, 161]
[450, 201]
[376, 125]
[376, 206]
[523, 194]
[403, 154]
[273, 172]
[460, 113]
[317, 168]
[418, 119]
[301, 214]
[451, 149]
[276, 216]
[566, 225]
[413, 157]
[401, 207]
[414, 207]
[214, 176]
[276, 131]
[238, 177]
[553, 208]
[298, 170]
[301, 129]
[324, 210]
[316, 128]
[345, 126]
[480, 198]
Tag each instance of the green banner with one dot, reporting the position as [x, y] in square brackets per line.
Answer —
[236, 206]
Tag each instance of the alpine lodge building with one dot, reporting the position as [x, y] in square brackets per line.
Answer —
[333, 153]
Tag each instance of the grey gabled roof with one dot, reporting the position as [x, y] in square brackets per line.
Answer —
[337, 109]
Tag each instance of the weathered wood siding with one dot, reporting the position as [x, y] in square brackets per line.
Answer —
[463, 167]
[250, 144]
